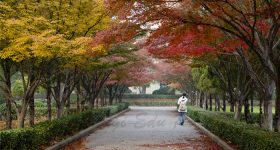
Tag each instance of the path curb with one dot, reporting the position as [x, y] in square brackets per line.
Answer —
[84, 132]
[215, 138]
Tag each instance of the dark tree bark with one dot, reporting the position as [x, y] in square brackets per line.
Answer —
[24, 105]
[31, 111]
[231, 106]
[68, 105]
[206, 101]
[31, 103]
[247, 111]
[218, 102]
[64, 86]
[224, 103]
[277, 109]
[92, 82]
[6, 87]
[49, 104]
[252, 103]
[261, 112]
[29, 90]
[78, 102]
[111, 94]
[201, 97]
[210, 102]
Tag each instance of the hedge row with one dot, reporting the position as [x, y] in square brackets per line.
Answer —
[45, 132]
[246, 136]
[149, 96]
[153, 103]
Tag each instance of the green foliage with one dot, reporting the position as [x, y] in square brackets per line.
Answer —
[164, 91]
[205, 80]
[17, 88]
[117, 108]
[19, 139]
[246, 136]
[149, 96]
[48, 131]
[3, 109]
[153, 103]
[39, 104]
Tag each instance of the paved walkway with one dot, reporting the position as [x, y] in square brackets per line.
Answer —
[146, 128]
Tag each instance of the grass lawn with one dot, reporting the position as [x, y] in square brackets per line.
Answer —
[256, 109]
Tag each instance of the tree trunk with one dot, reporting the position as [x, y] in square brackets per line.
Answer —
[238, 109]
[60, 108]
[261, 112]
[231, 106]
[49, 104]
[22, 114]
[83, 105]
[7, 92]
[277, 107]
[201, 97]
[68, 104]
[97, 101]
[247, 111]
[31, 111]
[27, 96]
[79, 96]
[218, 102]
[252, 103]
[206, 101]
[144, 88]
[224, 103]
[210, 102]
[111, 98]
[9, 118]
[105, 98]
[31, 100]
[197, 98]
[267, 115]
[78, 102]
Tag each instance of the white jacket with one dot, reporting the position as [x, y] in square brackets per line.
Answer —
[184, 100]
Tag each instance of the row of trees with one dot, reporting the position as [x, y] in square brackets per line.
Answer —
[234, 44]
[63, 47]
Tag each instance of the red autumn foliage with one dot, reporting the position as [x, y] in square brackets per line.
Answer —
[192, 28]
[115, 34]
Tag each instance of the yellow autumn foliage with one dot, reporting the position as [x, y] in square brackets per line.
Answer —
[51, 29]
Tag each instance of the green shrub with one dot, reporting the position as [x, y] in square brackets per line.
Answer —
[246, 136]
[113, 110]
[149, 96]
[47, 131]
[39, 104]
[153, 103]
[3, 110]
[164, 91]
[18, 139]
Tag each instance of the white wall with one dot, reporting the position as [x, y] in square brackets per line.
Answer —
[149, 90]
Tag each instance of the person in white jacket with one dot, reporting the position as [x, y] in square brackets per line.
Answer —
[182, 108]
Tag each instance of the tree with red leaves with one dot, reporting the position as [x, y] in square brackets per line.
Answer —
[245, 26]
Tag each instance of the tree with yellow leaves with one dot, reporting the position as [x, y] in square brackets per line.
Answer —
[45, 36]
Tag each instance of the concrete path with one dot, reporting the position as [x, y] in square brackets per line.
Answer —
[146, 128]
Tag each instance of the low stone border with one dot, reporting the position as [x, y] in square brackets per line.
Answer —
[84, 132]
[215, 138]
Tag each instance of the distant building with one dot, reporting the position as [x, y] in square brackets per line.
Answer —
[149, 89]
